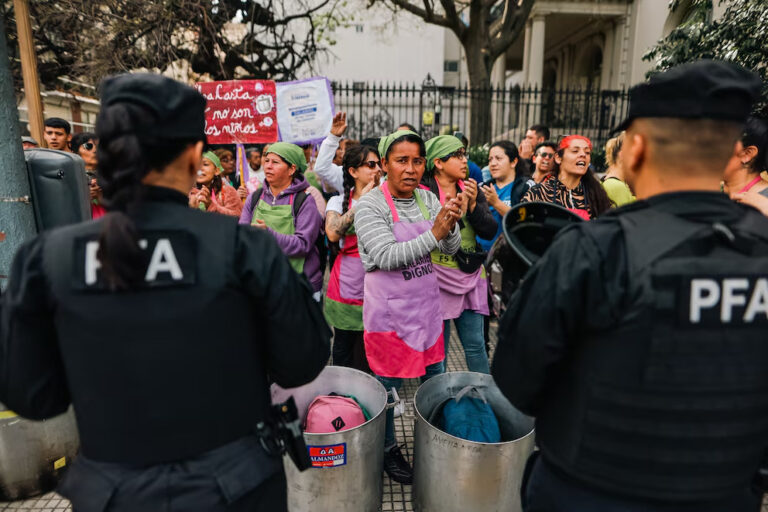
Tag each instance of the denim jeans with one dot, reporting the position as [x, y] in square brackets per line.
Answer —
[396, 382]
[470, 328]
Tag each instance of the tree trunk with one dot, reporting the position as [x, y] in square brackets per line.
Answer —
[480, 98]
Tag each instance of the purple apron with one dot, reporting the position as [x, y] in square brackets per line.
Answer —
[401, 308]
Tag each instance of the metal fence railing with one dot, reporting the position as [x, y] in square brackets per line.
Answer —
[376, 109]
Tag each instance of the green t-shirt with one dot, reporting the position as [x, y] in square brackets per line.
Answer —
[618, 191]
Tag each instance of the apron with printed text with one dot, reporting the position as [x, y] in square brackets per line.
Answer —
[401, 310]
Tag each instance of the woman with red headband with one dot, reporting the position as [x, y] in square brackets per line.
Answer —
[573, 185]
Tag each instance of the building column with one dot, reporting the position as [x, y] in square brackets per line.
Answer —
[499, 71]
[536, 58]
[608, 71]
[526, 52]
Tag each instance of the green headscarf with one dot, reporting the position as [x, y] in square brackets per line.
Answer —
[441, 147]
[210, 155]
[291, 153]
[386, 142]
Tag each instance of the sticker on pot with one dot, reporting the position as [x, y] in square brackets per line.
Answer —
[328, 456]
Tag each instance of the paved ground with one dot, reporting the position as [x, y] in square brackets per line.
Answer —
[396, 496]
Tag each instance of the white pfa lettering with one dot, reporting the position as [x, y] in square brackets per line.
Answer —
[759, 301]
[731, 298]
[705, 293]
[92, 263]
[163, 260]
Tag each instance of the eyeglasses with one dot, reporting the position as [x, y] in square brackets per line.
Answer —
[459, 153]
[547, 155]
[227, 159]
[372, 164]
[88, 146]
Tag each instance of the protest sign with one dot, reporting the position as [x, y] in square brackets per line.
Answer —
[305, 110]
[240, 111]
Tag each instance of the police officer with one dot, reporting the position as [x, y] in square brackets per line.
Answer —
[124, 317]
[639, 340]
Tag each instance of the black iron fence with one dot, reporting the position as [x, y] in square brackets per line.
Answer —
[376, 109]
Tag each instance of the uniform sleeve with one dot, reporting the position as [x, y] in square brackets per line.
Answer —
[32, 380]
[482, 220]
[326, 170]
[546, 315]
[374, 234]
[296, 339]
[307, 229]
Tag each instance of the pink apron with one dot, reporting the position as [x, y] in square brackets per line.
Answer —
[401, 310]
[458, 290]
[344, 299]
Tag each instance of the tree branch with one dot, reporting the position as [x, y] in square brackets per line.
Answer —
[429, 17]
[511, 26]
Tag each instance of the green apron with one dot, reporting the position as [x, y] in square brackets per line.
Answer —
[280, 218]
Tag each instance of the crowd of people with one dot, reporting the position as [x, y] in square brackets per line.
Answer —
[404, 226]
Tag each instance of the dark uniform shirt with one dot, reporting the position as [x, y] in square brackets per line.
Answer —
[171, 369]
[575, 325]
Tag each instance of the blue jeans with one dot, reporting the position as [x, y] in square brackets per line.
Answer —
[470, 328]
[396, 382]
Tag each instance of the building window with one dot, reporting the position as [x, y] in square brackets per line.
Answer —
[359, 29]
[451, 66]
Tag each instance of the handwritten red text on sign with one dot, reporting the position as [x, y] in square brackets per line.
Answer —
[240, 112]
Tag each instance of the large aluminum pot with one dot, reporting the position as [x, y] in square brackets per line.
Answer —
[352, 481]
[452, 474]
[33, 454]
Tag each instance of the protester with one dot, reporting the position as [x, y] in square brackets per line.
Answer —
[85, 144]
[742, 176]
[211, 193]
[534, 136]
[474, 170]
[507, 186]
[29, 143]
[573, 185]
[57, 133]
[253, 155]
[646, 369]
[284, 207]
[543, 162]
[613, 181]
[461, 277]
[344, 299]
[409, 127]
[124, 319]
[398, 225]
[228, 173]
[331, 174]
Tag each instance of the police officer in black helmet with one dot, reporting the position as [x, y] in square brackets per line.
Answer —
[639, 340]
[124, 318]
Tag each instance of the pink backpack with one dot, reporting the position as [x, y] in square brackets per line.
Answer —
[330, 414]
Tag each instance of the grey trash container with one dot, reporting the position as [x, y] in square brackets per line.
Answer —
[351, 481]
[34, 454]
[452, 474]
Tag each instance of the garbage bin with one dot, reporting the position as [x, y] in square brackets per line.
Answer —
[33, 454]
[347, 465]
[452, 474]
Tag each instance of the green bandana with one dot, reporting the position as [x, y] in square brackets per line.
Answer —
[291, 153]
[210, 155]
[386, 142]
[441, 147]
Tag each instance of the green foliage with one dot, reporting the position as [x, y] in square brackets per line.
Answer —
[740, 35]
[479, 154]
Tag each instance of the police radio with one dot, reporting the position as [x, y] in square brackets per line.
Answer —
[281, 434]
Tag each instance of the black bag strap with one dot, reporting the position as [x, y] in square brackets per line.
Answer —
[298, 200]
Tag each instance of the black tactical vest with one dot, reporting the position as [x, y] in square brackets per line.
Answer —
[672, 403]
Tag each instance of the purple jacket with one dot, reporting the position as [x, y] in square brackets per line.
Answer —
[308, 224]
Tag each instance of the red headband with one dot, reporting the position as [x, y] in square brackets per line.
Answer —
[567, 141]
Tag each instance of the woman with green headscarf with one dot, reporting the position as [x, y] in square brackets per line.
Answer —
[211, 193]
[284, 207]
[461, 277]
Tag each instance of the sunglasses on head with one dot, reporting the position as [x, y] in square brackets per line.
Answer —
[372, 164]
[89, 146]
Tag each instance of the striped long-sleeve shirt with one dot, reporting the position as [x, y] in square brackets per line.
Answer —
[376, 242]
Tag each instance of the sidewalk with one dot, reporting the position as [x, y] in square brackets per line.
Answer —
[396, 496]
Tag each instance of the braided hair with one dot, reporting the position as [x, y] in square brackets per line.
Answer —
[354, 156]
[125, 157]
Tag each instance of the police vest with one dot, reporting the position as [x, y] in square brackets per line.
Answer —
[672, 404]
